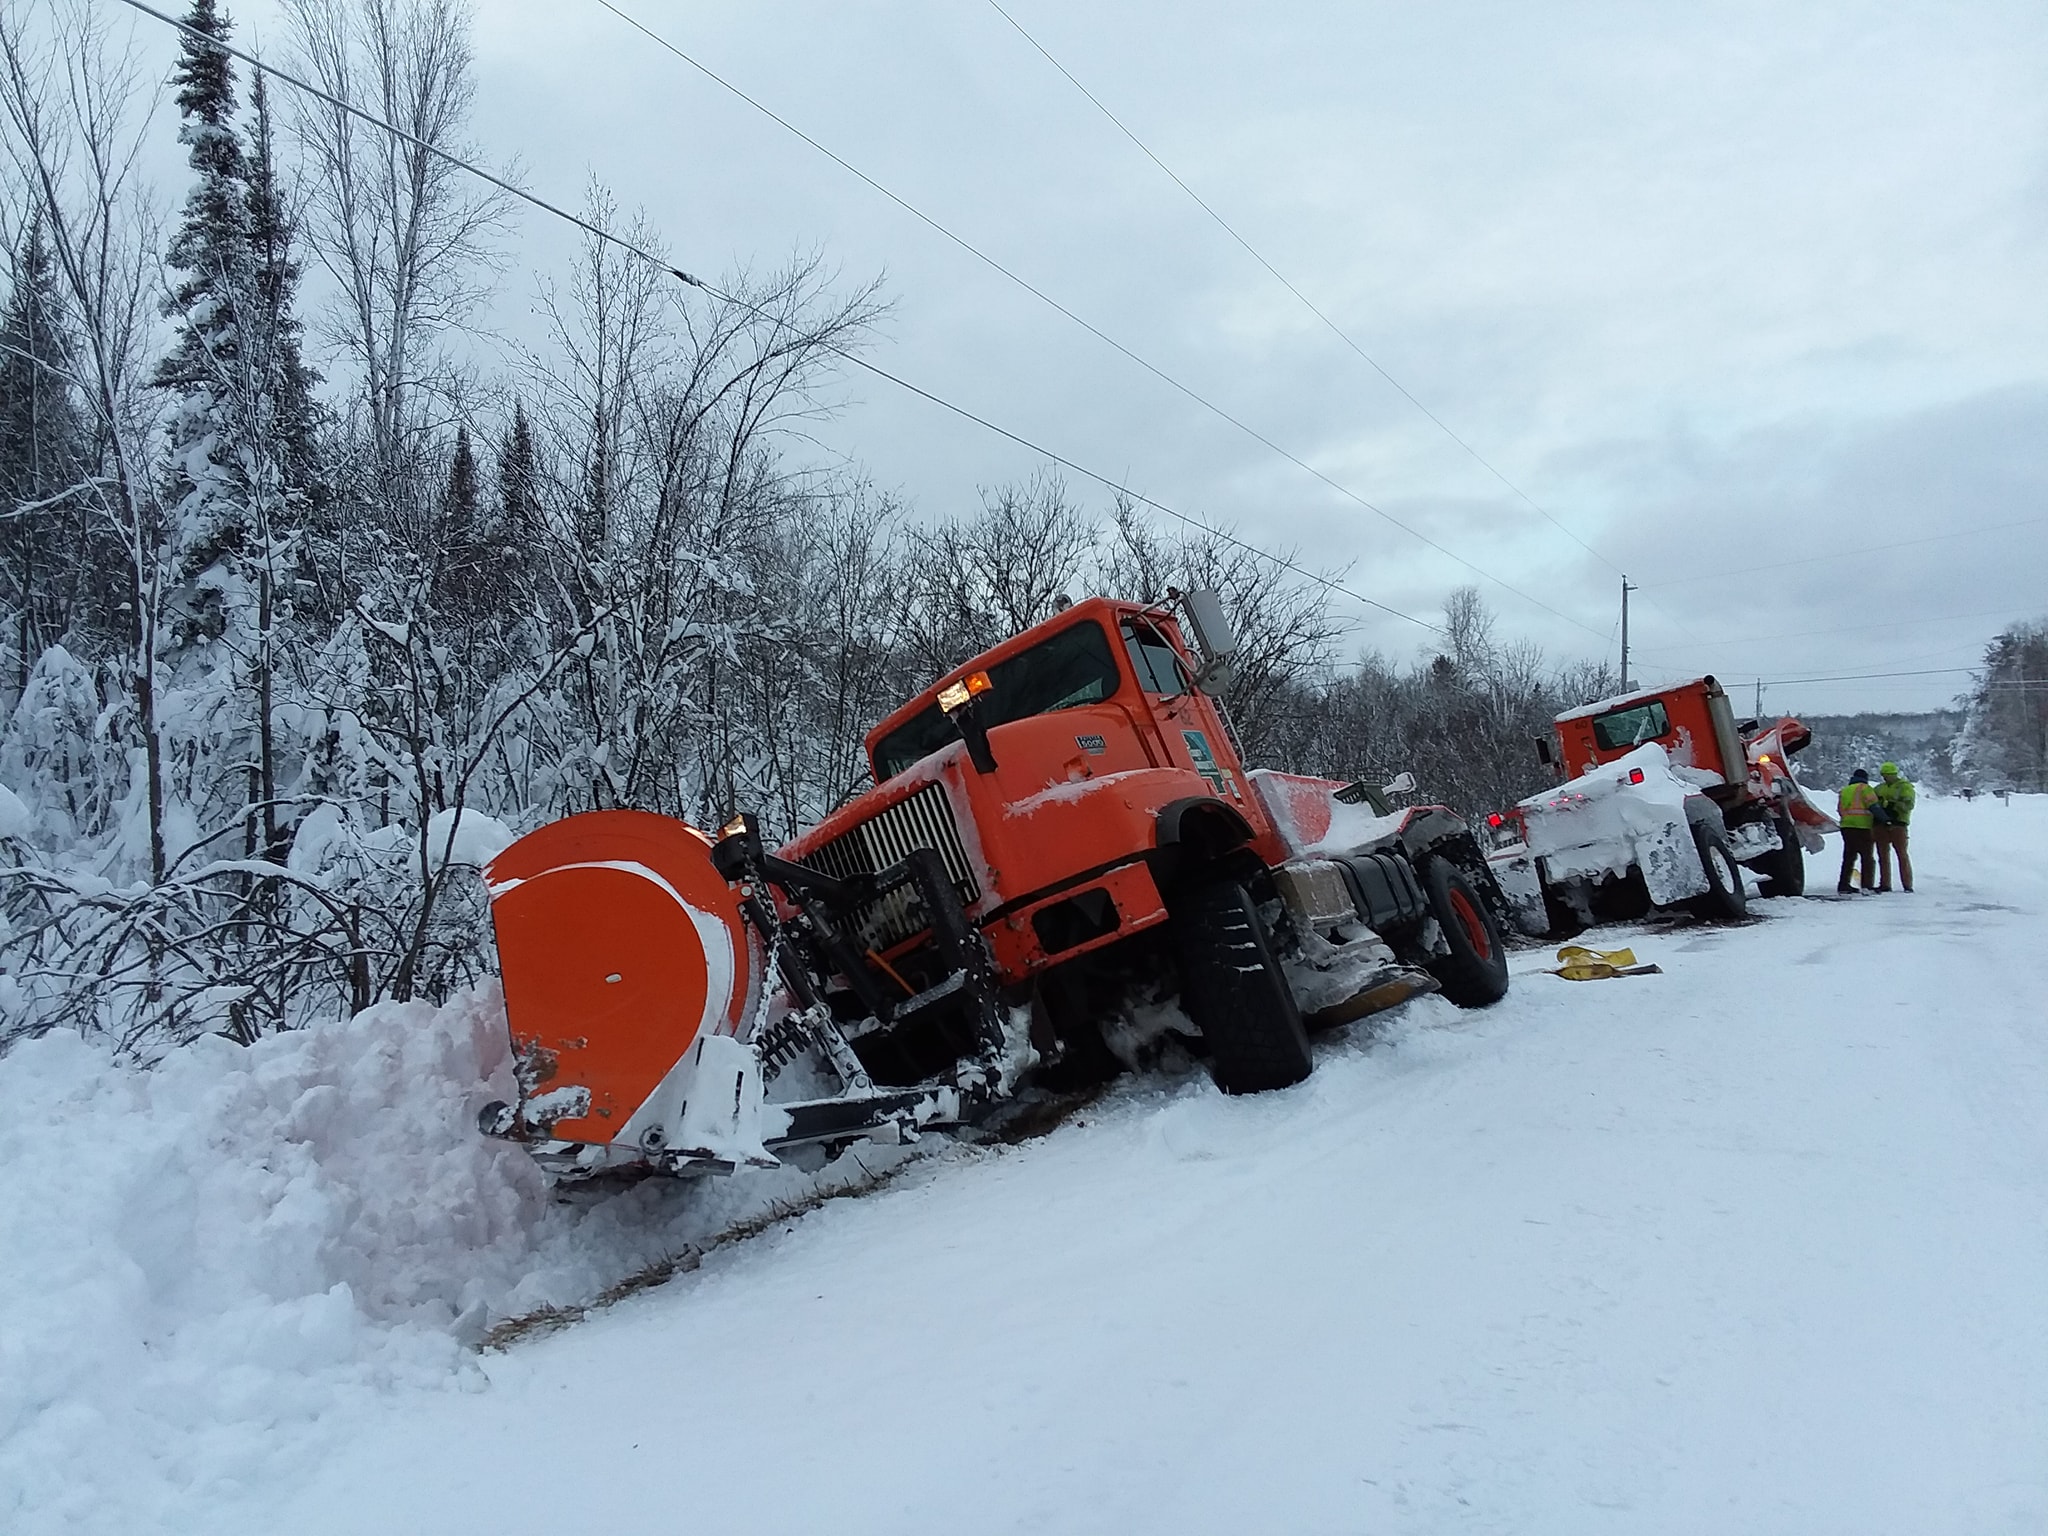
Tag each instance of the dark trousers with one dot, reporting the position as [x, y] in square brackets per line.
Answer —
[1858, 847]
[1892, 840]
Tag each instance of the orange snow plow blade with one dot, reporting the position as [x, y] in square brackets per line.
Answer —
[620, 946]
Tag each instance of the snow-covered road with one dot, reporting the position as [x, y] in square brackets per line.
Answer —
[1759, 1244]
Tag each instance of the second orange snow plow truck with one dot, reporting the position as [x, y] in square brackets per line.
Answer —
[1666, 797]
[1059, 829]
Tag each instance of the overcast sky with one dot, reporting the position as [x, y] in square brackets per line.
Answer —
[1717, 286]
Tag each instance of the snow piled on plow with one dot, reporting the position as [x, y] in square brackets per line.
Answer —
[198, 1260]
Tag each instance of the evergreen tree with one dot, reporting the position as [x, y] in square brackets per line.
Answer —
[519, 481]
[207, 485]
[521, 531]
[460, 516]
[293, 419]
[463, 575]
[42, 454]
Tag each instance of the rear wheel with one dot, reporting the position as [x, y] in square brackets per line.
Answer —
[1231, 986]
[1475, 972]
[1724, 900]
[1783, 870]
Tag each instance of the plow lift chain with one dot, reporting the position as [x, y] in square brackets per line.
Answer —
[810, 947]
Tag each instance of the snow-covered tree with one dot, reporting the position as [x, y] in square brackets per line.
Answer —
[290, 417]
[207, 483]
[44, 506]
[2004, 740]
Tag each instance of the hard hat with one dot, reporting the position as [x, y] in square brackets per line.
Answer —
[1890, 770]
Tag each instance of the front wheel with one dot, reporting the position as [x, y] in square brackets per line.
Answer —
[1782, 872]
[1475, 971]
[1724, 900]
[1233, 990]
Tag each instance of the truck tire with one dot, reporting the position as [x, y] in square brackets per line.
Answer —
[1724, 900]
[1475, 972]
[1232, 987]
[1783, 871]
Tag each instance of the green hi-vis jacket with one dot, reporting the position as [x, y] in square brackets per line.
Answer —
[1857, 802]
[1896, 796]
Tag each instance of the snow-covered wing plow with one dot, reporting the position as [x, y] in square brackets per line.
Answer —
[1770, 765]
[658, 982]
[620, 946]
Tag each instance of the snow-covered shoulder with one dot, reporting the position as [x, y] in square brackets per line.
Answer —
[200, 1261]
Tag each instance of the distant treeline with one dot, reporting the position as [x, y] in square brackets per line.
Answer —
[1996, 736]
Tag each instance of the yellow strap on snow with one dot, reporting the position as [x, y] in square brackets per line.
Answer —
[1578, 954]
[1583, 964]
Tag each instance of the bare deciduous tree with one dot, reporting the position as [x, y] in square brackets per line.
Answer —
[406, 236]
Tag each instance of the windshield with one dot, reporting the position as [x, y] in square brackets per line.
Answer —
[1631, 727]
[1157, 666]
[1073, 667]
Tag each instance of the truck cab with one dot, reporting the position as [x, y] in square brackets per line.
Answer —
[1060, 829]
[1083, 766]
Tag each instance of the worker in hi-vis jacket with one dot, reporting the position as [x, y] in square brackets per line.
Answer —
[1895, 797]
[1858, 816]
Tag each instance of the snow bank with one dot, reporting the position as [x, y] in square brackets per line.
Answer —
[1756, 1245]
[200, 1261]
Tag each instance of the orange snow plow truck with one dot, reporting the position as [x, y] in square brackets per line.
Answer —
[1666, 798]
[1059, 832]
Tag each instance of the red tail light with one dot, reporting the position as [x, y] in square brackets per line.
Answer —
[1495, 819]
[1635, 775]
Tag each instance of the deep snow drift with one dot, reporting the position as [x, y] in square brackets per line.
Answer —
[199, 1262]
[1757, 1244]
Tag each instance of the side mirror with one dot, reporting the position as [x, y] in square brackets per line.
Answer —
[1402, 783]
[1209, 628]
[1546, 753]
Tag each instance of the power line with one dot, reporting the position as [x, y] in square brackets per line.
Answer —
[1090, 327]
[1855, 677]
[1280, 277]
[1849, 629]
[1110, 484]
[1861, 549]
[663, 265]
[1338, 331]
[341, 104]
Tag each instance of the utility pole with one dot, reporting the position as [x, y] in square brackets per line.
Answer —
[1759, 710]
[1626, 685]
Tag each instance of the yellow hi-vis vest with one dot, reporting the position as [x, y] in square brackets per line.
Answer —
[1857, 802]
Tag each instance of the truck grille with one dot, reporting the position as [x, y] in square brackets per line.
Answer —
[923, 820]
